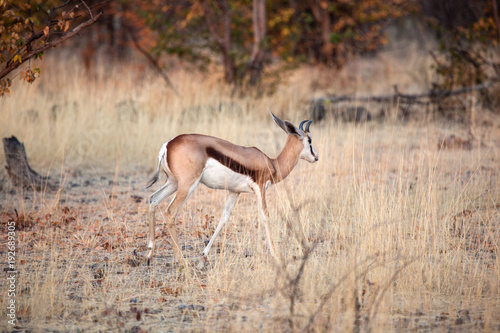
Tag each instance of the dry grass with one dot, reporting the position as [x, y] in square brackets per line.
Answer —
[400, 235]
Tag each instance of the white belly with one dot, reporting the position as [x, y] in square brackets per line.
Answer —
[217, 176]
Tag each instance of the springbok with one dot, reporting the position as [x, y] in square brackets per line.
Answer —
[190, 159]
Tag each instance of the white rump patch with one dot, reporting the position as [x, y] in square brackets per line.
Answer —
[162, 158]
[163, 151]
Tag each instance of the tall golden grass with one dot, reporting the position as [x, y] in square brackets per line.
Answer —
[399, 234]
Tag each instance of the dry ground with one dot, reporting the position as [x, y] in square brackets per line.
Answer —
[400, 235]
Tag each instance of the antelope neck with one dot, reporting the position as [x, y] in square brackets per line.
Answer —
[287, 159]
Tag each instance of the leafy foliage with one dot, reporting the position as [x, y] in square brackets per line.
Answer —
[228, 32]
[308, 31]
[179, 28]
[466, 30]
[331, 32]
[29, 28]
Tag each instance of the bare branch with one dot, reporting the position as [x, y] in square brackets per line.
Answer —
[61, 6]
[90, 12]
[153, 62]
[12, 66]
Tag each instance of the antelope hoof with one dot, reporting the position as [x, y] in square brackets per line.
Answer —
[203, 263]
[149, 255]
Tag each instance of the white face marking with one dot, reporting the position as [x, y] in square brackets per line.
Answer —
[218, 177]
[308, 153]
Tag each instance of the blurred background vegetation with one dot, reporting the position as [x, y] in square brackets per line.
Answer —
[248, 40]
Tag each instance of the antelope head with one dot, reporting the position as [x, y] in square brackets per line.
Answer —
[302, 134]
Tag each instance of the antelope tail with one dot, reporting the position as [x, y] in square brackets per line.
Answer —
[161, 155]
[155, 177]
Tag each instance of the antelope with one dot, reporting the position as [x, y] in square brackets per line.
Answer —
[190, 159]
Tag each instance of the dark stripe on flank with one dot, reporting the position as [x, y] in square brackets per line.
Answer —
[232, 164]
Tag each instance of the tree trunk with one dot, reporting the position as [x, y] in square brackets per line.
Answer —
[18, 168]
[319, 9]
[223, 40]
[255, 64]
[495, 16]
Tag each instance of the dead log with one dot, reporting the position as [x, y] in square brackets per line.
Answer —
[423, 99]
[434, 96]
[19, 170]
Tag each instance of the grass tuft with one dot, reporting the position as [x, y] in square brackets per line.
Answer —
[385, 233]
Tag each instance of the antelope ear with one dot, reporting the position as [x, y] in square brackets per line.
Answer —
[291, 129]
[278, 121]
